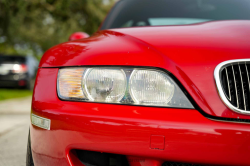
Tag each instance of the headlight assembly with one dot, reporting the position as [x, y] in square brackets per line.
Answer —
[132, 86]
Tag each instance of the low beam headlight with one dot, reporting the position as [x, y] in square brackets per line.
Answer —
[131, 86]
[105, 85]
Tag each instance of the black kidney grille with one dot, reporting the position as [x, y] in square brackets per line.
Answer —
[178, 164]
[235, 84]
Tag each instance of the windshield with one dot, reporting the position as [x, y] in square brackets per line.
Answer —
[132, 13]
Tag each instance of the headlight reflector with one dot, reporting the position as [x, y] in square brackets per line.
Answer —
[131, 86]
[105, 85]
[150, 87]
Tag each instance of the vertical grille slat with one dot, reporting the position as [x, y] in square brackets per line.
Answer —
[229, 92]
[242, 86]
[248, 90]
[231, 85]
[225, 83]
[235, 85]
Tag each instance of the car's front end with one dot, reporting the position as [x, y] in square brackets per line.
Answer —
[147, 96]
[143, 134]
[186, 123]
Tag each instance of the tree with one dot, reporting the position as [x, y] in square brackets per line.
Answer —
[33, 26]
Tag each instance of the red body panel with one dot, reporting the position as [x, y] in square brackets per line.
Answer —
[189, 52]
[189, 136]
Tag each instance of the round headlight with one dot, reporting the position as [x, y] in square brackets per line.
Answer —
[105, 85]
[150, 87]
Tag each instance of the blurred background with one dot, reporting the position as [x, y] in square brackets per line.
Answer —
[27, 29]
[31, 27]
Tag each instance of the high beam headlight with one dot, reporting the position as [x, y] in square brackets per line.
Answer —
[131, 86]
[150, 87]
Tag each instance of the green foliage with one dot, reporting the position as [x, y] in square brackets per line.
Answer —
[33, 26]
[14, 93]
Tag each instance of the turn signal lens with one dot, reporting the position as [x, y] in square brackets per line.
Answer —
[69, 83]
[105, 85]
[131, 86]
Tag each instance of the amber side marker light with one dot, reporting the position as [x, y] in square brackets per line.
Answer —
[40, 122]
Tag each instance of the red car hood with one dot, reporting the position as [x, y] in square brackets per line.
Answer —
[195, 44]
[189, 52]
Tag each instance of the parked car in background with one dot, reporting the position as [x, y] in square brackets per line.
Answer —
[17, 71]
[163, 83]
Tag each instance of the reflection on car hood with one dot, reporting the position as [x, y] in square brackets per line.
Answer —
[176, 41]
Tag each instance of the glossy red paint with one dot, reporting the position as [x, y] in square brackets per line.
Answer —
[189, 52]
[189, 136]
[157, 142]
[78, 35]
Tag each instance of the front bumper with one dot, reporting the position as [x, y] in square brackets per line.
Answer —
[189, 137]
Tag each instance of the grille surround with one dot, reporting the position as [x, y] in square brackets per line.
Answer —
[217, 75]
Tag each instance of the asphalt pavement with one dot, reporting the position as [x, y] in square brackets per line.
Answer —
[14, 128]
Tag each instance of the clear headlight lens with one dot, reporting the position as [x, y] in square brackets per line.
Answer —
[120, 85]
[108, 85]
[150, 87]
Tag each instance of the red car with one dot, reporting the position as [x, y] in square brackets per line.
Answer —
[162, 83]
